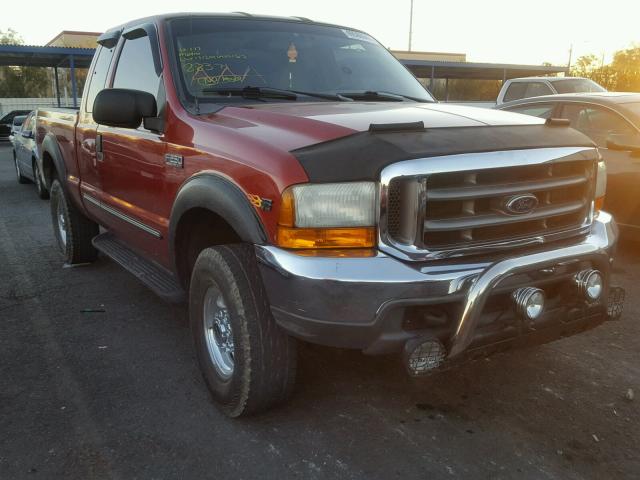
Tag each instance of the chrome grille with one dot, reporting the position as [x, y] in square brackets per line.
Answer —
[442, 207]
[467, 208]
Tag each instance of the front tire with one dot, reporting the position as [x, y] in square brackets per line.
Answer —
[73, 231]
[247, 361]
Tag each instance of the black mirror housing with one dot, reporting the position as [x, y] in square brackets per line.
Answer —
[121, 107]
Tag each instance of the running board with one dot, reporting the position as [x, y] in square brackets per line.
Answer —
[162, 282]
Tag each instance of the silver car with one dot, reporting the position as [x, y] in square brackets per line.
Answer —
[612, 121]
[25, 154]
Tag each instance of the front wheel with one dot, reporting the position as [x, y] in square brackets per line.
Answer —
[73, 231]
[247, 361]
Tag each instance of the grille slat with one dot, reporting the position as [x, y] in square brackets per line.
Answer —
[440, 194]
[491, 220]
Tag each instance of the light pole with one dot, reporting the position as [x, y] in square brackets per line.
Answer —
[410, 24]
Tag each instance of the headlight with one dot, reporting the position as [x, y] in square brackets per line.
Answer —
[601, 184]
[330, 215]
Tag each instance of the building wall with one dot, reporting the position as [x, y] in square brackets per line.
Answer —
[437, 56]
[71, 39]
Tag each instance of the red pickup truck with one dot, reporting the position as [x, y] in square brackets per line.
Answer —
[292, 181]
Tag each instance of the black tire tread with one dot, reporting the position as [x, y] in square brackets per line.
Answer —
[41, 189]
[269, 376]
[80, 230]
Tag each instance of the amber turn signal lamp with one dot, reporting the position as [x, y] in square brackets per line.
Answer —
[360, 237]
[599, 205]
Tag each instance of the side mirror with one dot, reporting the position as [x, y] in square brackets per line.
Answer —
[624, 143]
[27, 134]
[121, 107]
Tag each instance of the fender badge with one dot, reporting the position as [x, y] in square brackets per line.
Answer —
[174, 160]
[262, 203]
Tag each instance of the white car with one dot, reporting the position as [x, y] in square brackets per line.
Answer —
[519, 88]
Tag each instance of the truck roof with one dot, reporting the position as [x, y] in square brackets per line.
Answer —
[228, 15]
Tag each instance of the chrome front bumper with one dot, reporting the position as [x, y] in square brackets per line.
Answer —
[348, 302]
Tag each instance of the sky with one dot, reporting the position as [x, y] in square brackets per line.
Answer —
[496, 31]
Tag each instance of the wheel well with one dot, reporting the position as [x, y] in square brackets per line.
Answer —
[198, 229]
[48, 169]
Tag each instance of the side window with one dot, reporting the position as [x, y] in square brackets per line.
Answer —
[515, 91]
[539, 110]
[99, 76]
[537, 89]
[595, 122]
[135, 68]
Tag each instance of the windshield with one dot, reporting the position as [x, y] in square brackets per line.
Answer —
[634, 108]
[577, 85]
[218, 54]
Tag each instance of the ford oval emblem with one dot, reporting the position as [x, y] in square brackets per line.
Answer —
[521, 204]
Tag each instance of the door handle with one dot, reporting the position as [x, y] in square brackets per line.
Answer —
[99, 152]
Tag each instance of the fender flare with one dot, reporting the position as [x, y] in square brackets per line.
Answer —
[222, 197]
[50, 146]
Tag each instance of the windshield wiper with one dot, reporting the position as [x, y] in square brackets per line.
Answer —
[253, 92]
[384, 96]
[269, 92]
[326, 96]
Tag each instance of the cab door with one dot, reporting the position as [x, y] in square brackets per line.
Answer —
[623, 167]
[132, 172]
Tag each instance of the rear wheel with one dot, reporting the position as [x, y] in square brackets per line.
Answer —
[21, 179]
[43, 193]
[73, 231]
[247, 361]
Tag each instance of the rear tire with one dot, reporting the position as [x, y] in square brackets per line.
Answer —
[73, 231]
[43, 193]
[21, 179]
[247, 361]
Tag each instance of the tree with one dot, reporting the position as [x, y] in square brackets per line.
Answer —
[32, 82]
[626, 64]
[622, 74]
[10, 37]
[21, 81]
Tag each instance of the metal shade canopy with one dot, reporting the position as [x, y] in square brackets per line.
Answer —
[53, 57]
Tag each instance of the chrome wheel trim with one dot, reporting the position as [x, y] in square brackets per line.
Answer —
[218, 333]
[62, 222]
[15, 161]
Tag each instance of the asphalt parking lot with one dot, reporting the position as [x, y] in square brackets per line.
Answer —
[98, 380]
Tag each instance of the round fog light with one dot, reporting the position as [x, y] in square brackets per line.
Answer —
[529, 302]
[423, 355]
[590, 284]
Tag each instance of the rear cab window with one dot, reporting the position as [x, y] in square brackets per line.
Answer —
[519, 90]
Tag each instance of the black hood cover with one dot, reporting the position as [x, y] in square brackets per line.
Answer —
[363, 155]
